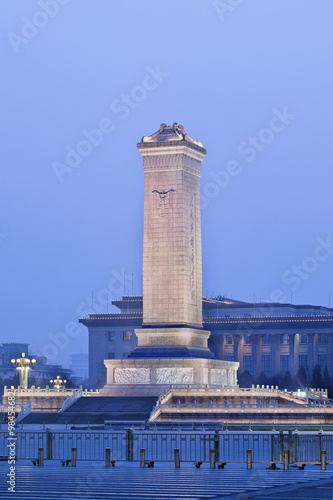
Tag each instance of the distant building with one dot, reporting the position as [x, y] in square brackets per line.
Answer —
[268, 337]
[79, 365]
[12, 350]
[40, 373]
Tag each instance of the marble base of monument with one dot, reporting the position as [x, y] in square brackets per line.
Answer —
[153, 377]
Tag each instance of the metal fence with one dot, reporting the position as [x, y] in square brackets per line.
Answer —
[193, 445]
[26, 443]
[307, 448]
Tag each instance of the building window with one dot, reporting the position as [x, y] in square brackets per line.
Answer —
[127, 335]
[322, 338]
[247, 340]
[322, 361]
[303, 339]
[266, 339]
[111, 336]
[303, 361]
[230, 340]
[227, 315]
[247, 363]
[247, 315]
[110, 355]
[284, 363]
[229, 358]
[126, 354]
[266, 363]
[101, 373]
[285, 339]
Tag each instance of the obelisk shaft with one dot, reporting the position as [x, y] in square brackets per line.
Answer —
[172, 266]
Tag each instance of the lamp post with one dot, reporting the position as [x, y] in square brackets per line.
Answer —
[58, 383]
[23, 365]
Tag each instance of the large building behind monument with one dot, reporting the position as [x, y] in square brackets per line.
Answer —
[264, 337]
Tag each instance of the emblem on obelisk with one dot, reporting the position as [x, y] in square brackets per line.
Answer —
[162, 202]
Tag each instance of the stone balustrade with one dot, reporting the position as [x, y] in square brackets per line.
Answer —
[46, 399]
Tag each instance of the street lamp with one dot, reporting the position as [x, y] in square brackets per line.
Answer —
[58, 383]
[23, 365]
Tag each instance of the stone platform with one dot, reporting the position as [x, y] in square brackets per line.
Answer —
[241, 406]
[46, 399]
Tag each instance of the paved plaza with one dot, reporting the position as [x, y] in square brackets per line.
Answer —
[92, 480]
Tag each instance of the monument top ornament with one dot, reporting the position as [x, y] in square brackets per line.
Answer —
[174, 133]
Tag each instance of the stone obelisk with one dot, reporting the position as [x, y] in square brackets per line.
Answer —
[172, 344]
[172, 269]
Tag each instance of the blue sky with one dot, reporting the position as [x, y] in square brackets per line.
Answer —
[252, 80]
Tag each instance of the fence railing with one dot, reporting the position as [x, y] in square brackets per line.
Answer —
[193, 445]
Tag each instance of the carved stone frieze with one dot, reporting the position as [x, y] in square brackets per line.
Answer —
[132, 375]
[218, 376]
[174, 376]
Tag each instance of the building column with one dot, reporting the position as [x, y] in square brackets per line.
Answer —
[256, 368]
[292, 361]
[259, 350]
[275, 353]
[311, 360]
[329, 352]
[237, 339]
[315, 349]
[220, 348]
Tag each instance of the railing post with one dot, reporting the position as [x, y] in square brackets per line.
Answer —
[272, 448]
[142, 457]
[107, 457]
[49, 444]
[323, 460]
[41, 456]
[73, 457]
[290, 445]
[129, 445]
[212, 459]
[249, 459]
[285, 459]
[281, 446]
[177, 459]
[217, 445]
